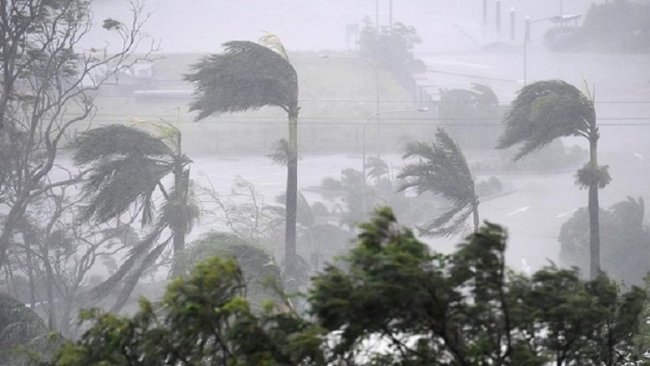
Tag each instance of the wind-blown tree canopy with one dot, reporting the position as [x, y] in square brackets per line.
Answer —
[392, 302]
[127, 165]
[442, 169]
[248, 76]
[546, 110]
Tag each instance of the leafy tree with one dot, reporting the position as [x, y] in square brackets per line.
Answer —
[392, 302]
[127, 166]
[625, 241]
[546, 110]
[249, 76]
[396, 303]
[48, 86]
[202, 320]
[442, 169]
[261, 274]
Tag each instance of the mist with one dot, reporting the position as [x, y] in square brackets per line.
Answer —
[373, 78]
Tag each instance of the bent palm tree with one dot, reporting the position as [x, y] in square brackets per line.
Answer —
[442, 169]
[248, 76]
[127, 166]
[546, 110]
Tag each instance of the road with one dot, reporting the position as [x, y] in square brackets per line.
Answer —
[533, 213]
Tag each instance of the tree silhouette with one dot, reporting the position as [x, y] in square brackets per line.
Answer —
[248, 76]
[546, 110]
[442, 169]
[127, 166]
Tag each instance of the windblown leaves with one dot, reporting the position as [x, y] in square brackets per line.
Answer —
[443, 170]
[246, 76]
[544, 111]
[127, 164]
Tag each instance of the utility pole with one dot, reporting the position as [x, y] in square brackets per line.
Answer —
[377, 15]
[390, 14]
[485, 13]
[498, 16]
[512, 23]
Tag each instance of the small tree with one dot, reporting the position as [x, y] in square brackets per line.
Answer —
[443, 170]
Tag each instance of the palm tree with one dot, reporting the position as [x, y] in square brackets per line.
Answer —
[248, 76]
[127, 166]
[546, 110]
[442, 169]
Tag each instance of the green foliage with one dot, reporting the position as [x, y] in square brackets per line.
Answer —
[393, 302]
[544, 111]
[202, 320]
[442, 169]
[260, 271]
[625, 247]
[588, 176]
[399, 303]
[127, 166]
[247, 76]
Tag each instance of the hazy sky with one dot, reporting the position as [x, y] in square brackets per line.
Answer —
[202, 25]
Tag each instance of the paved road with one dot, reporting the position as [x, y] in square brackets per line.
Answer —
[533, 214]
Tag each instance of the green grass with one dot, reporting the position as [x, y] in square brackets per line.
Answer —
[337, 96]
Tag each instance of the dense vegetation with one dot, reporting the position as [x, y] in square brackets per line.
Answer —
[611, 26]
[393, 302]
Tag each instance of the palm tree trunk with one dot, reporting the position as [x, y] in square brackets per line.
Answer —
[179, 229]
[594, 223]
[292, 194]
[475, 215]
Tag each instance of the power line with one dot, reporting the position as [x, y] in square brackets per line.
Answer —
[400, 122]
[383, 101]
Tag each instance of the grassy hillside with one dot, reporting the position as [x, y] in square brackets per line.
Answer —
[338, 93]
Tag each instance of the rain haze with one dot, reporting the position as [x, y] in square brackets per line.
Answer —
[458, 49]
[416, 105]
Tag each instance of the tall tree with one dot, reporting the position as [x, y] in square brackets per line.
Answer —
[47, 86]
[127, 166]
[249, 76]
[546, 110]
[442, 169]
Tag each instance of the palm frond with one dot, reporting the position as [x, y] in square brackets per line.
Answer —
[377, 167]
[451, 222]
[246, 76]
[280, 152]
[182, 212]
[441, 169]
[117, 141]
[273, 42]
[544, 111]
[114, 185]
